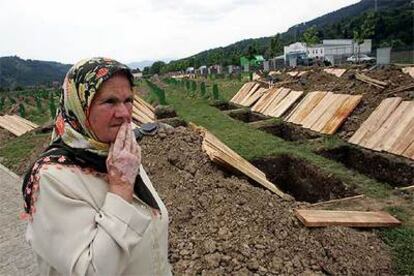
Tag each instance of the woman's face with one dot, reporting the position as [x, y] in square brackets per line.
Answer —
[111, 106]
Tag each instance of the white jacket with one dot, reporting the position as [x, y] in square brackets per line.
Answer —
[79, 228]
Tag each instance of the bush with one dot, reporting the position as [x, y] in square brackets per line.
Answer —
[203, 89]
[215, 92]
[22, 110]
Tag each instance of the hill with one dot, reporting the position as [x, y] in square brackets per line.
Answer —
[15, 72]
[392, 22]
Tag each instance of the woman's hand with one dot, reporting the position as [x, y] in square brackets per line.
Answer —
[123, 163]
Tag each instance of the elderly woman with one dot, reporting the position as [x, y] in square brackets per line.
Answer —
[92, 209]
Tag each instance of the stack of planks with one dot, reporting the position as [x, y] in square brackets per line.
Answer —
[323, 112]
[335, 71]
[219, 153]
[16, 124]
[276, 101]
[409, 71]
[371, 81]
[321, 218]
[248, 94]
[142, 111]
[389, 128]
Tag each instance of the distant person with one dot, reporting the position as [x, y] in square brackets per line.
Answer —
[91, 208]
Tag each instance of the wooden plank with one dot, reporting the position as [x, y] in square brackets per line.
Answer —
[249, 93]
[329, 112]
[242, 92]
[18, 123]
[409, 152]
[253, 98]
[287, 102]
[321, 218]
[405, 138]
[282, 93]
[27, 122]
[266, 96]
[376, 140]
[375, 120]
[335, 71]
[9, 127]
[409, 71]
[293, 73]
[341, 114]
[303, 109]
[319, 109]
[274, 93]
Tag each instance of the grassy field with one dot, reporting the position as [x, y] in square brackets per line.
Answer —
[252, 143]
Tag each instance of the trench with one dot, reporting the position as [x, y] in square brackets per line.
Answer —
[289, 132]
[224, 105]
[246, 116]
[302, 180]
[384, 167]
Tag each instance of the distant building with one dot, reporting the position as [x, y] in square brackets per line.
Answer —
[255, 61]
[333, 50]
[189, 70]
[137, 75]
[202, 70]
[215, 69]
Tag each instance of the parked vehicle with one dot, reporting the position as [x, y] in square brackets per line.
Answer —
[360, 59]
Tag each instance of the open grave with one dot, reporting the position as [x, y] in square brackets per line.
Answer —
[395, 170]
[246, 115]
[222, 105]
[287, 131]
[302, 180]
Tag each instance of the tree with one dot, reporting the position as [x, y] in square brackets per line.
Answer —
[366, 30]
[275, 45]
[311, 36]
[156, 67]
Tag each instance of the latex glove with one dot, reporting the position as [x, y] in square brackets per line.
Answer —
[123, 163]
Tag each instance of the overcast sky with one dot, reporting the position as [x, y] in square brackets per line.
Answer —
[135, 30]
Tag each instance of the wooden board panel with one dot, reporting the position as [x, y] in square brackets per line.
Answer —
[305, 107]
[242, 92]
[253, 90]
[10, 127]
[409, 70]
[319, 109]
[257, 107]
[335, 71]
[341, 114]
[375, 140]
[409, 152]
[287, 102]
[254, 97]
[282, 93]
[27, 122]
[329, 113]
[404, 140]
[293, 73]
[375, 120]
[20, 124]
[275, 96]
[398, 129]
[320, 218]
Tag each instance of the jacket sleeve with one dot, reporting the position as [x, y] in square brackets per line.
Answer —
[76, 238]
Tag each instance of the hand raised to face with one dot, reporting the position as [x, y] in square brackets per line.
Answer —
[123, 162]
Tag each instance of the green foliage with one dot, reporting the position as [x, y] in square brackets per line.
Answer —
[157, 92]
[38, 104]
[203, 89]
[187, 85]
[311, 36]
[12, 100]
[276, 45]
[193, 86]
[2, 102]
[251, 76]
[215, 92]
[52, 106]
[22, 110]
[156, 67]
[401, 240]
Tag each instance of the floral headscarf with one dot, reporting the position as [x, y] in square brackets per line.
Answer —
[79, 87]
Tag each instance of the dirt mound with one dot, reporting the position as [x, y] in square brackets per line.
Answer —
[222, 225]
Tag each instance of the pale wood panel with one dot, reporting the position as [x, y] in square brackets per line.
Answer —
[404, 140]
[393, 119]
[254, 97]
[246, 87]
[408, 70]
[253, 90]
[335, 71]
[7, 125]
[320, 218]
[319, 109]
[329, 113]
[341, 114]
[282, 93]
[258, 106]
[375, 120]
[398, 129]
[303, 109]
[27, 122]
[409, 152]
[276, 97]
[20, 124]
[287, 102]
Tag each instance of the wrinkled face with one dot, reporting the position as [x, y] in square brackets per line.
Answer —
[110, 107]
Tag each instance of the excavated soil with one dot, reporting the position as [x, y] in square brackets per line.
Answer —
[246, 116]
[221, 105]
[290, 132]
[223, 225]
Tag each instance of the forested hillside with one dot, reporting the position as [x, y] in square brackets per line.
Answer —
[15, 72]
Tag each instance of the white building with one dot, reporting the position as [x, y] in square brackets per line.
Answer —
[330, 49]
